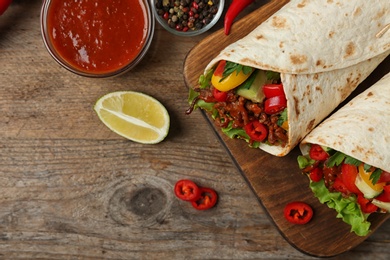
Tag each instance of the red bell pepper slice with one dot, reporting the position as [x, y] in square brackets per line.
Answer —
[207, 200]
[316, 174]
[317, 153]
[298, 212]
[339, 185]
[220, 96]
[187, 190]
[220, 68]
[256, 130]
[385, 195]
[366, 205]
[275, 104]
[272, 90]
[385, 177]
[348, 175]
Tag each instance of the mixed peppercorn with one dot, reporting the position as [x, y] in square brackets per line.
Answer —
[185, 15]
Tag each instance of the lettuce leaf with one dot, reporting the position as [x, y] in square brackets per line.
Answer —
[304, 161]
[199, 103]
[238, 133]
[347, 208]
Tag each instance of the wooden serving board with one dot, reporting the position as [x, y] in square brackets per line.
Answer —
[276, 181]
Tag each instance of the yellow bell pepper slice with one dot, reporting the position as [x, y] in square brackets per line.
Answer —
[366, 178]
[231, 81]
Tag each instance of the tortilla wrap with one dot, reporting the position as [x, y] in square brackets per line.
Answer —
[360, 128]
[323, 49]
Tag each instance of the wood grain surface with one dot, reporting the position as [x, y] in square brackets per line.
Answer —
[72, 189]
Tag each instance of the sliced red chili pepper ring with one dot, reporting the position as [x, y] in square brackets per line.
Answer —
[298, 212]
[275, 104]
[207, 200]
[272, 90]
[256, 130]
[187, 190]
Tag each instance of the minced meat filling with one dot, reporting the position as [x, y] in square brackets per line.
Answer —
[240, 111]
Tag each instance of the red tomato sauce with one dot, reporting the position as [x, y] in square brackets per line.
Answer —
[98, 36]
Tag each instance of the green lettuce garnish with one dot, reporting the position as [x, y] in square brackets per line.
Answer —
[282, 118]
[199, 103]
[204, 79]
[238, 133]
[347, 208]
[304, 161]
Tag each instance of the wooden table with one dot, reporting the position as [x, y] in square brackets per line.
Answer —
[72, 189]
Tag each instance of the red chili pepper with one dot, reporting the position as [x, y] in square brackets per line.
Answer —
[187, 190]
[220, 96]
[272, 90]
[4, 4]
[256, 130]
[275, 104]
[207, 199]
[234, 9]
[365, 205]
[317, 153]
[298, 212]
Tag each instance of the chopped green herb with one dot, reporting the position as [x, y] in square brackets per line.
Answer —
[248, 83]
[366, 167]
[231, 67]
[374, 177]
[336, 159]
[352, 161]
[271, 75]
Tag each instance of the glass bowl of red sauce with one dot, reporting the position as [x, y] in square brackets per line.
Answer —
[97, 38]
[187, 17]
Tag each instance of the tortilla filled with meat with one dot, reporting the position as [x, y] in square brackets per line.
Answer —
[347, 157]
[273, 86]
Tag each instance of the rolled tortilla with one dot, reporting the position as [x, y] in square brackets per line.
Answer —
[360, 128]
[323, 49]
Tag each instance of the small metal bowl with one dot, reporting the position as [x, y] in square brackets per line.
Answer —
[190, 32]
[68, 64]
